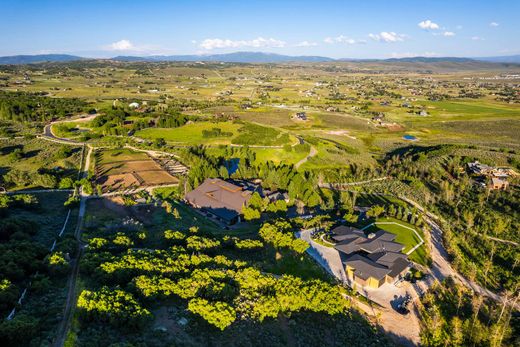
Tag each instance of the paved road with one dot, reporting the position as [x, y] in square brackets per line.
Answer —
[70, 302]
[311, 154]
[47, 130]
[327, 257]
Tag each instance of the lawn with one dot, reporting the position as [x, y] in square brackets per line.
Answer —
[404, 236]
[278, 155]
[116, 155]
[191, 134]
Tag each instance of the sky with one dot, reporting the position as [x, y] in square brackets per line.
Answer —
[337, 29]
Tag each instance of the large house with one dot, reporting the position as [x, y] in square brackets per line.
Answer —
[223, 200]
[370, 260]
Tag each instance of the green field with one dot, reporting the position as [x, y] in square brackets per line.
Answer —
[114, 155]
[191, 134]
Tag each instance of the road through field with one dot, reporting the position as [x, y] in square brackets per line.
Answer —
[71, 282]
[311, 154]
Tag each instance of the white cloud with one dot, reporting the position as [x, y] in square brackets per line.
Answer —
[342, 39]
[413, 55]
[385, 36]
[121, 45]
[306, 44]
[493, 24]
[477, 38]
[428, 25]
[448, 33]
[209, 44]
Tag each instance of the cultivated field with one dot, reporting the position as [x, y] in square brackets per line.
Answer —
[123, 169]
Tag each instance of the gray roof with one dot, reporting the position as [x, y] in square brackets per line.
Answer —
[378, 245]
[221, 198]
[351, 240]
[365, 268]
[386, 258]
[376, 255]
[343, 232]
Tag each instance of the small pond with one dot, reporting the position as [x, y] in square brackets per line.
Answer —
[410, 138]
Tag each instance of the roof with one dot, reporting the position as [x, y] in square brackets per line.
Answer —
[343, 232]
[386, 258]
[351, 240]
[365, 268]
[376, 255]
[221, 198]
[498, 181]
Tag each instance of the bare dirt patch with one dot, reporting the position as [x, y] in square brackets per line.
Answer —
[129, 170]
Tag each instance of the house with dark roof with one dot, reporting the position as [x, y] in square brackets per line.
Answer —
[370, 260]
[223, 200]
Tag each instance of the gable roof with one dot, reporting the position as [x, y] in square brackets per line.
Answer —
[221, 198]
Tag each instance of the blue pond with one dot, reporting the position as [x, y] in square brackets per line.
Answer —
[409, 137]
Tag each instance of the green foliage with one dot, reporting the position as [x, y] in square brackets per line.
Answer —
[199, 243]
[18, 200]
[18, 331]
[277, 206]
[350, 217]
[23, 178]
[72, 201]
[174, 235]
[29, 107]
[57, 264]
[256, 202]
[172, 121]
[115, 307]
[66, 183]
[375, 211]
[219, 314]
[452, 315]
[247, 244]
[97, 243]
[250, 213]
[254, 134]
[280, 234]
[215, 132]
[122, 240]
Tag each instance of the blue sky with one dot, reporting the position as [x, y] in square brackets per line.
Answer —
[339, 29]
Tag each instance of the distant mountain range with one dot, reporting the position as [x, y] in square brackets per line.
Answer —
[237, 57]
[38, 58]
[249, 57]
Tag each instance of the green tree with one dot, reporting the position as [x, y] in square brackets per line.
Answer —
[66, 183]
[250, 213]
[219, 314]
[375, 211]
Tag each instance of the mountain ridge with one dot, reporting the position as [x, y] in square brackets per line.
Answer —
[248, 57]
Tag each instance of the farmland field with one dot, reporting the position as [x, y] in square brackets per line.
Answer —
[191, 134]
[121, 169]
